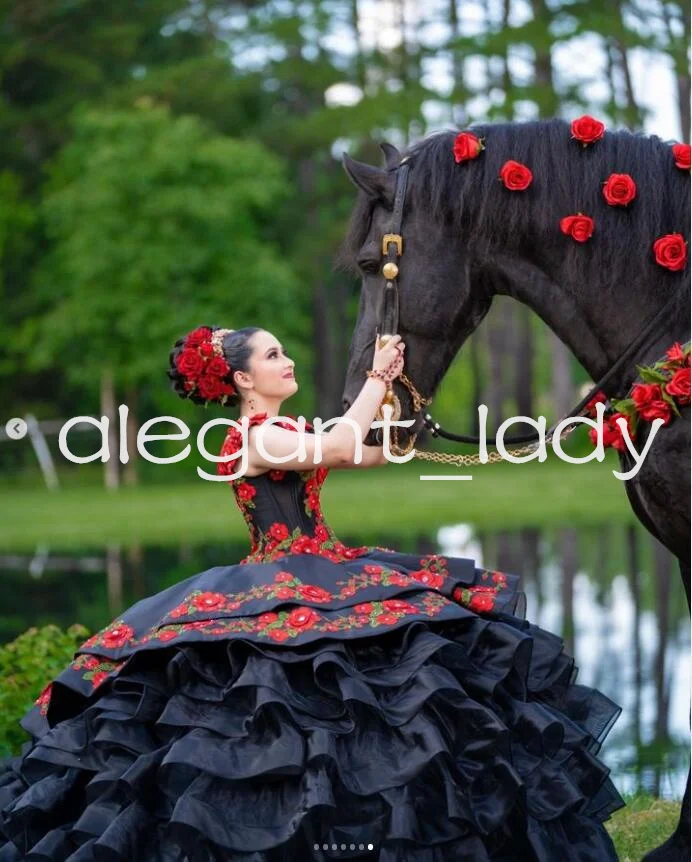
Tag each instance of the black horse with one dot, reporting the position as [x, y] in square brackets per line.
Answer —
[466, 238]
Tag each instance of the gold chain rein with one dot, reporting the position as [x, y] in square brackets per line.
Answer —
[444, 457]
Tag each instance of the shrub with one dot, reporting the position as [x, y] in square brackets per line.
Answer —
[27, 665]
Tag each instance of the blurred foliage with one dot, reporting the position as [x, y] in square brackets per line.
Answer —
[175, 162]
[27, 664]
[154, 221]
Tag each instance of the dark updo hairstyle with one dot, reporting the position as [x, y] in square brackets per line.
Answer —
[236, 354]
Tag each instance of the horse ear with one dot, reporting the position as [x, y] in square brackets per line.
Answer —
[391, 154]
[375, 182]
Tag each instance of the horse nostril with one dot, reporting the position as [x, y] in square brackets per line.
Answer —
[346, 404]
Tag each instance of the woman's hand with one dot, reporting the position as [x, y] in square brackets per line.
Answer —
[390, 358]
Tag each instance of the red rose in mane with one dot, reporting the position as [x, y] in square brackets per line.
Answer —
[671, 251]
[681, 154]
[619, 190]
[515, 176]
[466, 146]
[579, 226]
[587, 129]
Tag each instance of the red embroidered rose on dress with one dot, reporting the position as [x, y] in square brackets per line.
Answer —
[430, 579]
[209, 601]
[118, 636]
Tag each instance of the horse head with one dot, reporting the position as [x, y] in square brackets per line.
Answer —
[440, 302]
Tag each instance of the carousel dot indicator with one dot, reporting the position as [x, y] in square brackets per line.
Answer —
[434, 478]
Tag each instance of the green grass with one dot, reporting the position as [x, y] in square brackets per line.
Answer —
[643, 824]
[390, 501]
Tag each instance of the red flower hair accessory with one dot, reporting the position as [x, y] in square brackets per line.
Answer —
[201, 362]
[579, 226]
[670, 251]
[467, 146]
[619, 190]
[515, 176]
[681, 154]
[587, 129]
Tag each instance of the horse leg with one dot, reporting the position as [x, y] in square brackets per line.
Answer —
[677, 847]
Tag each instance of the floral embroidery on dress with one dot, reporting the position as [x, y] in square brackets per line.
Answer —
[279, 540]
[290, 588]
[282, 625]
[95, 668]
[482, 598]
[43, 700]
[287, 586]
[115, 636]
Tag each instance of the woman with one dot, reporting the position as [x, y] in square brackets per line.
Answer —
[314, 701]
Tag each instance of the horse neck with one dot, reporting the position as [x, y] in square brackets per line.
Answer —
[597, 322]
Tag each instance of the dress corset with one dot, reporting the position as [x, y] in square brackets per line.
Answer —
[282, 508]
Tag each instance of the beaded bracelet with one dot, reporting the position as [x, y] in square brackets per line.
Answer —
[379, 375]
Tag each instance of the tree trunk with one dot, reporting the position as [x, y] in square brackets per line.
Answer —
[548, 101]
[563, 386]
[634, 577]
[114, 576]
[458, 109]
[109, 410]
[360, 67]
[568, 558]
[476, 385]
[523, 353]
[682, 74]
[499, 384]
[662, 579]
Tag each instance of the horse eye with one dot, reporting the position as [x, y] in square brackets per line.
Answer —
[369, 266]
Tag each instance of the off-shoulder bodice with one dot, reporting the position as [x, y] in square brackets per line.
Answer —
[282, 507]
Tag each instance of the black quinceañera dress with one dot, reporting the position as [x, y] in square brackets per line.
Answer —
[315, 702]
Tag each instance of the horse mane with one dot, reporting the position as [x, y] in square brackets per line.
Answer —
[568, 179]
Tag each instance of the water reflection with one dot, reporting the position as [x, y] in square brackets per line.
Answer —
[612, 592]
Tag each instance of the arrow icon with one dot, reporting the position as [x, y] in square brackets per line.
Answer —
[16, 428]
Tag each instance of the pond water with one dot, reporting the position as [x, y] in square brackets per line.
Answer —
[611, 592]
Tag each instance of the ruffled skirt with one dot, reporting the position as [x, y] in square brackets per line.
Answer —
[383, 719]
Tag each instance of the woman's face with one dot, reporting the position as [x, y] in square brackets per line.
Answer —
[270, 367]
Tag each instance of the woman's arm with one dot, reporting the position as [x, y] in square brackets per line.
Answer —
[339, 446]
[373, 456]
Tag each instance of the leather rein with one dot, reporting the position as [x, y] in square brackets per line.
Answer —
[388, 323]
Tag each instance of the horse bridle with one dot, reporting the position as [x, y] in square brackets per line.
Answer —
[388, 325]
